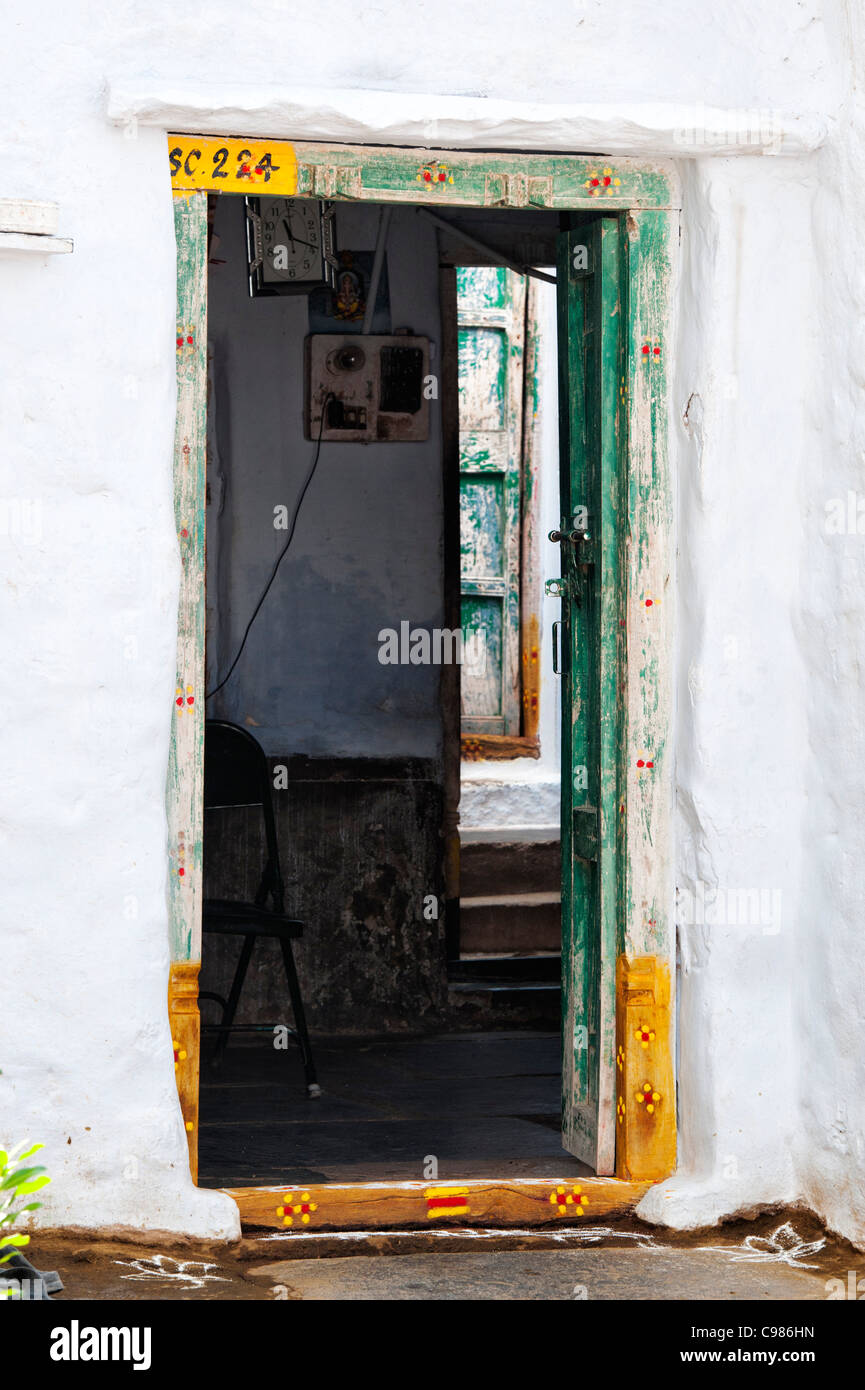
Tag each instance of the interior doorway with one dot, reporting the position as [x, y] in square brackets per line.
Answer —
[405, 816]
[456, 1062]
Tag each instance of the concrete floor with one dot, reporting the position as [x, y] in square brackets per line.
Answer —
[543, 1275]
[485, 1104]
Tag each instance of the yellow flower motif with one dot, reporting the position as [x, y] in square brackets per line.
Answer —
[602, 183]
[620, 1109]
[292, 1208]
[645, 1035]
[620, 1058]
[648, 1097]
[576, 1199]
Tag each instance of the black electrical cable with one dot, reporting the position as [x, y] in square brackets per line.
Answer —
[282, 554]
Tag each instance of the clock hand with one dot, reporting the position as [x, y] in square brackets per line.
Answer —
[297, 240]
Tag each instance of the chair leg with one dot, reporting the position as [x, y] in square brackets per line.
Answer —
[234, 997]
[312, 1087]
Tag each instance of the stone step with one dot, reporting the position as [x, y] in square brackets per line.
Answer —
[509, 867]
[510, 922]
[498, 968]
[492, 1004]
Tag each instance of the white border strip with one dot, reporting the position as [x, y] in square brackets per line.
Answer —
[398, 118]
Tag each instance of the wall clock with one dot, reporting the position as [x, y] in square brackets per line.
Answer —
[290, 245]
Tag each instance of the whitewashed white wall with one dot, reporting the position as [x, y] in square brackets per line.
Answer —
[768, 373]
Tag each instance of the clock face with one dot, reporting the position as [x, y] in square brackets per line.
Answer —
[291, 240]
[290, 244]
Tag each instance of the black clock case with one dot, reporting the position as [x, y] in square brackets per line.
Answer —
[258, 288]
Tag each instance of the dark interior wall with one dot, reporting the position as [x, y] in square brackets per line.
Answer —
[359, 820]
[359, 851]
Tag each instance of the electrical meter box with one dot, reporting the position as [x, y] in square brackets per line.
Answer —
[371, 388]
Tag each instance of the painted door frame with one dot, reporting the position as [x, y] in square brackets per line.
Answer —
[643, 195]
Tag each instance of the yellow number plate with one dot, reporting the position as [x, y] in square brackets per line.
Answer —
[232, 166]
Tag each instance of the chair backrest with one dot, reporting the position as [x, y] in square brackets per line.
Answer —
[236, 774]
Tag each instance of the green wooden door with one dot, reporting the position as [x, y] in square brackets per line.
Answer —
[491, 307]
[590, 346]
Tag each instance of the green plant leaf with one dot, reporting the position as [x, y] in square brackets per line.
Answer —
[29, 1152]
[34, 1185]
[19, 1175]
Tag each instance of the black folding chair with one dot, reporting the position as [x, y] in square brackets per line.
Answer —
[236, 774]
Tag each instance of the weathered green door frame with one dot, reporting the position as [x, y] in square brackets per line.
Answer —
[635, 1080]
[593, 456]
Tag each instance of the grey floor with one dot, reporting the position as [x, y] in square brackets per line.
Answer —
[604, 1274]
[483, 1105]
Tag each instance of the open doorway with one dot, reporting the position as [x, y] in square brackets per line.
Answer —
[433, 1005]
[387, 962]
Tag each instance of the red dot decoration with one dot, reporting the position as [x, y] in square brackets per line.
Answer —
[189, 337]
[645, 349]
[181, 873]
[649, 602]
[656, 351]
[180, 342]
[179, 701]
[190, 700]
[427, 178]
[184, 533]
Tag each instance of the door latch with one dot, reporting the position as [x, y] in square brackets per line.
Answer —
[576, 535]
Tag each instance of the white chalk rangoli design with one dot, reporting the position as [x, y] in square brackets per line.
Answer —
[193, 1274]
[783, 1246]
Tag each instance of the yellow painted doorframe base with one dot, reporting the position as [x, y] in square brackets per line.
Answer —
[185, 1020]
[645, 1135]
[645, 1076]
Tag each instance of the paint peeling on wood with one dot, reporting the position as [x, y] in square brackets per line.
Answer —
[565, 182]
[186, 757]
[491, 318]
[647, 862]
[592, 454]
[630, 829]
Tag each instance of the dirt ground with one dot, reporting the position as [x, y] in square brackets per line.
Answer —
[782, 1255]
